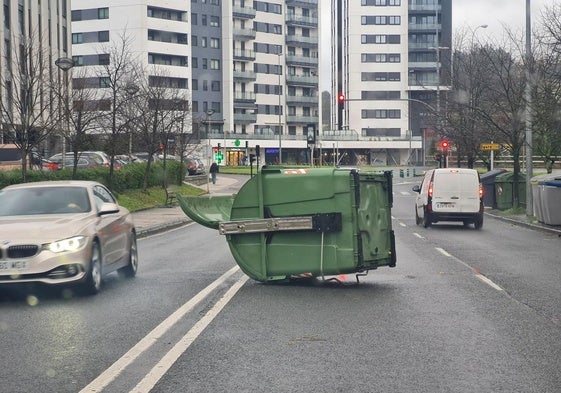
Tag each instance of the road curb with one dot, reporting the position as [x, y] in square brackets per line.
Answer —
[529, 225]
[152, 230]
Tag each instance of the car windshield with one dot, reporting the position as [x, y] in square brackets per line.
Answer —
[44, 200]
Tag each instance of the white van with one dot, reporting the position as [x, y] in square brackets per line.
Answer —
[450, 194]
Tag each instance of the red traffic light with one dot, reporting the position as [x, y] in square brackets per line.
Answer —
[215, 149]
[444, 145]
[341, 98]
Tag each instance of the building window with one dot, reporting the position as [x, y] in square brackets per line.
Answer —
[215, 86]
[77, 38]
[103, 13]
[215, 43]
[381, 114]
[380, 58]
[103, 36]
[214, 64]
[214, 21]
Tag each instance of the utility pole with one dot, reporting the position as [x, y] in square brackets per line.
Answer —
[528, 113]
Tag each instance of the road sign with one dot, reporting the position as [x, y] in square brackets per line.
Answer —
[489, 146]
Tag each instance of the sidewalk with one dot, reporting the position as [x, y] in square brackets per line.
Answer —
[151, 221]
[524, 220]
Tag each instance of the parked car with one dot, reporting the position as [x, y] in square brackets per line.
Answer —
[83, 162]
[100, 158]
[449, 194]
[143, 157]
[63, 233]
[194, 166]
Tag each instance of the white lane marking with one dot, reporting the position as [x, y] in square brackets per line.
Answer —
[478, 275]
[116, 368]
[393, 218]
[442, 251]
[402, 224]
[158, 371]
[488, 282]
[419, 236]
[406, 193]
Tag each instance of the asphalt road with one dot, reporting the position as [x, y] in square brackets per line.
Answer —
[463, 311]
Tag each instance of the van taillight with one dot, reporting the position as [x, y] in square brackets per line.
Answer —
[481, 192]
[430, 190]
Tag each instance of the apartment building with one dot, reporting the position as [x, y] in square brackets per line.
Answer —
[267, 76]
[43, 29]
[390, 61]
[151, 34]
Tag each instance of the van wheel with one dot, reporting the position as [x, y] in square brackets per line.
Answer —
[478, 222]
[417, 218]
[427, 220]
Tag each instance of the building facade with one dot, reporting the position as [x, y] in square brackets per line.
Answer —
[42, 28]
[267, 77]
[390, 59]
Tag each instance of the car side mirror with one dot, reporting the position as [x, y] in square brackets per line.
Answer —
[417, 188]
[108, 208]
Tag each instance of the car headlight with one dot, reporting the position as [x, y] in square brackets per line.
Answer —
[70, 244]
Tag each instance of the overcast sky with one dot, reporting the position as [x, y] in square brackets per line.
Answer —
[466, 14]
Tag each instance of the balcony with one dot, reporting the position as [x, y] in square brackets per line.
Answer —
[244, 55]
[299, 20]
[300, 41]
[301, 119]
[302, 100]
[245, 118]
[303, 3]
[244, 96]
[244, 76]
[424, 27]
[243, 12]
[243, 34]
[302, 80]
[302, 61]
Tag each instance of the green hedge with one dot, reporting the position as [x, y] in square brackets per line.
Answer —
[129, 177]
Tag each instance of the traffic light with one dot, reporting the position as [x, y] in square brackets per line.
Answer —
[444, 145]
[257, 150]
[341, 100]
[311, 134]
[215, 150]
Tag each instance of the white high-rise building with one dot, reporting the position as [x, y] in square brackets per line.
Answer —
[387, 61]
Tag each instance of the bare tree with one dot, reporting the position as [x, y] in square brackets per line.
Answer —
[117, 77]
[468, 81]
[546, 99]
[503, 103]
[160, 109]
[85, 107]
[27, 112]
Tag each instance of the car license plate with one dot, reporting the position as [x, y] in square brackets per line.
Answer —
[13, 265]
[445, 205]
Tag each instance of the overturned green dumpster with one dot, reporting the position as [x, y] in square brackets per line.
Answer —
[306, 222]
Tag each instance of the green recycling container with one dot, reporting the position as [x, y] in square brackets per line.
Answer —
[504, 190]
[306, 222]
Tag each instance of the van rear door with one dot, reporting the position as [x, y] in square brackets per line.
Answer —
[456, 190]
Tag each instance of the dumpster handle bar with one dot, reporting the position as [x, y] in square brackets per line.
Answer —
[321, 222]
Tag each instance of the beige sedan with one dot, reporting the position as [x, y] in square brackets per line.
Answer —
[64, 232]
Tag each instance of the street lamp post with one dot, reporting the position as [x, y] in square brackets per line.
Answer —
[65, 64]
[208, 114]
[131, 89]
[528, 113]
[280, 111]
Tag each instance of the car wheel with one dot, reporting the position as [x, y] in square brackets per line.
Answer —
[92, 283]
[427, 220]
[478, 222]
[129, 271]
[417, 218]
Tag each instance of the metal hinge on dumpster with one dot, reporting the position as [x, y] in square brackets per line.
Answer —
[321, 222]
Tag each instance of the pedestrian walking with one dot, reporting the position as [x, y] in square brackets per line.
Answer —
[213, 171]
